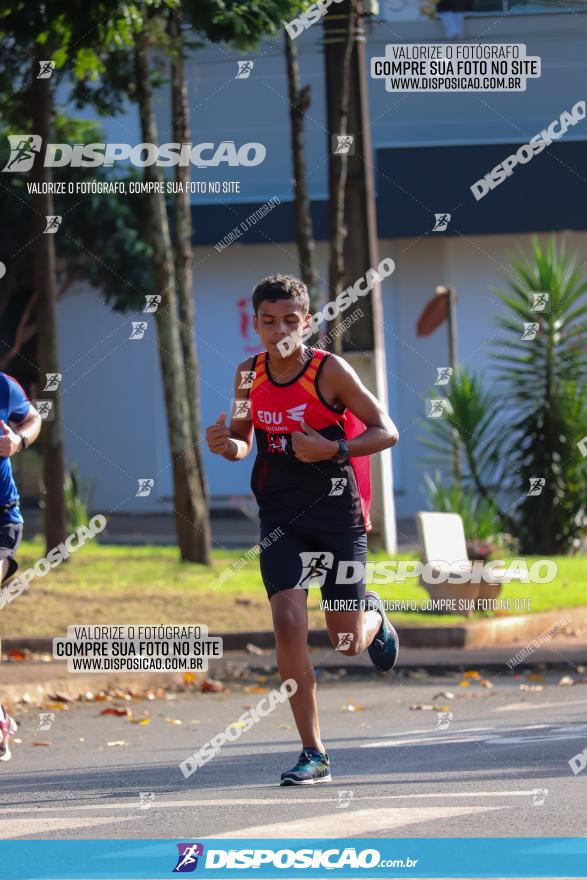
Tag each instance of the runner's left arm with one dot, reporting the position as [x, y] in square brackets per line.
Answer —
[346, 389]
[380, 432]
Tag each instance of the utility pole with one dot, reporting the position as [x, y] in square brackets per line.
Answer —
[366, 351]
[451, 314]
[443, 305]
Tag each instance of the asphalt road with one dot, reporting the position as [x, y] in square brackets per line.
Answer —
[500, 767]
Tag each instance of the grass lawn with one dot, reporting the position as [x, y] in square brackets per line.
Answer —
[116, 585]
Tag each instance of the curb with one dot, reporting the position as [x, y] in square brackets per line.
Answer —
[61, 682]
[478, 634]
[33, 682]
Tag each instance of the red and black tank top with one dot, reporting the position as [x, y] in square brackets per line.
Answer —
[319, 494]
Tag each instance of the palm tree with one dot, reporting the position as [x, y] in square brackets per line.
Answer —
[542, 360]
[520, 438]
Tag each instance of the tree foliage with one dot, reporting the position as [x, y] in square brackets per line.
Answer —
[527, 426]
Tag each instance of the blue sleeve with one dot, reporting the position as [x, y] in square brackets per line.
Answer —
[18, 402]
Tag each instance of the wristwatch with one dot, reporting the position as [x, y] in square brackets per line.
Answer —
[342, 455]
[23, 442]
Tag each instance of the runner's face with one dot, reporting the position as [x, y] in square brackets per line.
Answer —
[279, 319]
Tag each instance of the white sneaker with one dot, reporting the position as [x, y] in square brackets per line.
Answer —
[8, 728]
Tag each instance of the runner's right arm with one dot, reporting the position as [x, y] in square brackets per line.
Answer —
[233, 442]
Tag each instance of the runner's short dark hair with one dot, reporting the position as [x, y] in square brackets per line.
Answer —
[282, 287]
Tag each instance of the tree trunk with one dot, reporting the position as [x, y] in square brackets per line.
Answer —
[299, 101]
[44, 275]
[191, 514]
[183, 245]
[337, 179]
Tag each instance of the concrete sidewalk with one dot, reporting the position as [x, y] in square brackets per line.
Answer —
[36, 680]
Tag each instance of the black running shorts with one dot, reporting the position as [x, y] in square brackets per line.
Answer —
[322, 556]
[10, 536]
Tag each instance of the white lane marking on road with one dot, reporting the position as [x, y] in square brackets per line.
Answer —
[355, 823]
[266, 802]
[520, 733]
[430, 734]
[12, 828]
[426, 740]
[517, 707]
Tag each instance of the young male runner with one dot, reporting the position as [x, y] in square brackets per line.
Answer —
[19, 427]
[315, 426]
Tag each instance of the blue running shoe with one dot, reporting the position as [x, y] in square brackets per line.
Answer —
[312, 767]
[384, 648]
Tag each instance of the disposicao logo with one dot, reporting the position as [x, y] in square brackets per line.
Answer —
[25, 147]
[187, 859]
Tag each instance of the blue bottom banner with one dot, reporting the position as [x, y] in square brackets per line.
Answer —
[530, 857]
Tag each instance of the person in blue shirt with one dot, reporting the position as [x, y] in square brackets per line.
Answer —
[20, 424]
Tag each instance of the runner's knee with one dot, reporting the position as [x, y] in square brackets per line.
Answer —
[290, 626]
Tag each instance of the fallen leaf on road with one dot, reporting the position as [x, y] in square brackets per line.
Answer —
[424, 706]
[464, 684]
[174, 721]
[209, 685]
[485, 683]
[254, 689]
[57, 706]
[61, 698]
[142, 721]
[113, 710]
[42, 743]
[566, 680]
[118, 742]
[531, 687]
[285, 726]
[253, 649]
[238, 724]
[471, 673]
[17, 654]
[353, 707]
[535, 676]
[189, 677]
